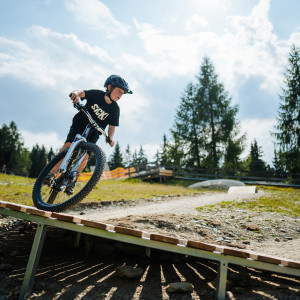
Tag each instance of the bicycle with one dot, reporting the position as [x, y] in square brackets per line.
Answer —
[55, 197]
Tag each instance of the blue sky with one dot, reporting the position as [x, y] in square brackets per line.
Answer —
[51, 47]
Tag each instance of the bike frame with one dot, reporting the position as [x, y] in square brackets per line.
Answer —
[80, 139]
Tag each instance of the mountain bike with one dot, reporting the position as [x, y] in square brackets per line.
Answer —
[55, 196]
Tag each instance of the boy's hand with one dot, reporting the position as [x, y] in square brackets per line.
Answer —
[111, 142]
[75, 96]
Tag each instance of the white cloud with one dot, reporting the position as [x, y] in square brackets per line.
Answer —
[150, 149]
[295, 38]
[247, 47]
[170, 54]
[252, 48]
[196, 22]
[53, 60]
[46, 139]
[97, 16]
[133, 107]
[61, 63]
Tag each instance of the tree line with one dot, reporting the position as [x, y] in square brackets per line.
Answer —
[205, 134]
[15, 158]
[206, 131]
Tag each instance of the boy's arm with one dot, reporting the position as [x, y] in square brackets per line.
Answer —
[111, 133]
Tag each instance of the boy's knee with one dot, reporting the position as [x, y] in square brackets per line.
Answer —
[65, 146]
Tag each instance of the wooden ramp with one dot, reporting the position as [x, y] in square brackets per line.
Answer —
[222, 254]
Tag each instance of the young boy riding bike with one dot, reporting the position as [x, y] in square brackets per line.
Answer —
[104, 109]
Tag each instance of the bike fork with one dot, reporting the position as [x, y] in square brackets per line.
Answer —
[64, 164]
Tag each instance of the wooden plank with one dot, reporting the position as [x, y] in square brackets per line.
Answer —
[93, 224]
[236, 252]
[202, 246]
[290, 263]
[3, 204]
[16, 207]
[66, 218]
[128, 231]
[265, 258]
[166, 173]
[38, 212]
[163, 238]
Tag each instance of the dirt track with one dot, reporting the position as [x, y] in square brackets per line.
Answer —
[274, 234]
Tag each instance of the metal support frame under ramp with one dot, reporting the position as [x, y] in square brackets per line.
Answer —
[223, 255]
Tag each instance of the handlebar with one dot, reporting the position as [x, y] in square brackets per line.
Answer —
[82, 108]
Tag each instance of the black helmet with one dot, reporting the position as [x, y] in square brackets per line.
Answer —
[117, 81]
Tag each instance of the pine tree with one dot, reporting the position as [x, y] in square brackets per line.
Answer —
[257, 166]
[205, 123]
[163, 155]
[142, 159]
[157, 159]
[288, 119]
[116, 159]
[188, 131]
[279, 170]
[13, 156]
[50, 154]
[176, 154]
[233, 150]
[38, 158]
[128, 157]
[134, 158]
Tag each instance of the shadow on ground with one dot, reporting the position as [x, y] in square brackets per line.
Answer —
[83, 272]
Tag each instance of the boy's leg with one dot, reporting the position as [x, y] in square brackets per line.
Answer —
[83, 163]
[56, 167]
[48, 179]
[71, 187]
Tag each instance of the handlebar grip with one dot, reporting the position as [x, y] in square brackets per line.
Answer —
[78, 106]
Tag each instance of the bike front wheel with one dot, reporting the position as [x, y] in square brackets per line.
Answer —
[66, 189]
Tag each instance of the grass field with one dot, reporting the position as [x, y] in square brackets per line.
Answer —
[281, 200]
[18, 190]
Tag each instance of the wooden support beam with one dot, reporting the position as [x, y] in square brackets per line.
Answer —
[222, 280]
[33, 261]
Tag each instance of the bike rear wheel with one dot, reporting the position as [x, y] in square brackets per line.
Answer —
[56, 196]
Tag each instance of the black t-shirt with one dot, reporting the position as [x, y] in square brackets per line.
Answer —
[104, 114]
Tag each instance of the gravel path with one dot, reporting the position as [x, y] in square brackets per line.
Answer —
[178, 205]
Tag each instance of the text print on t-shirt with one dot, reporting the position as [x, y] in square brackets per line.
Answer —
[99, 112]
